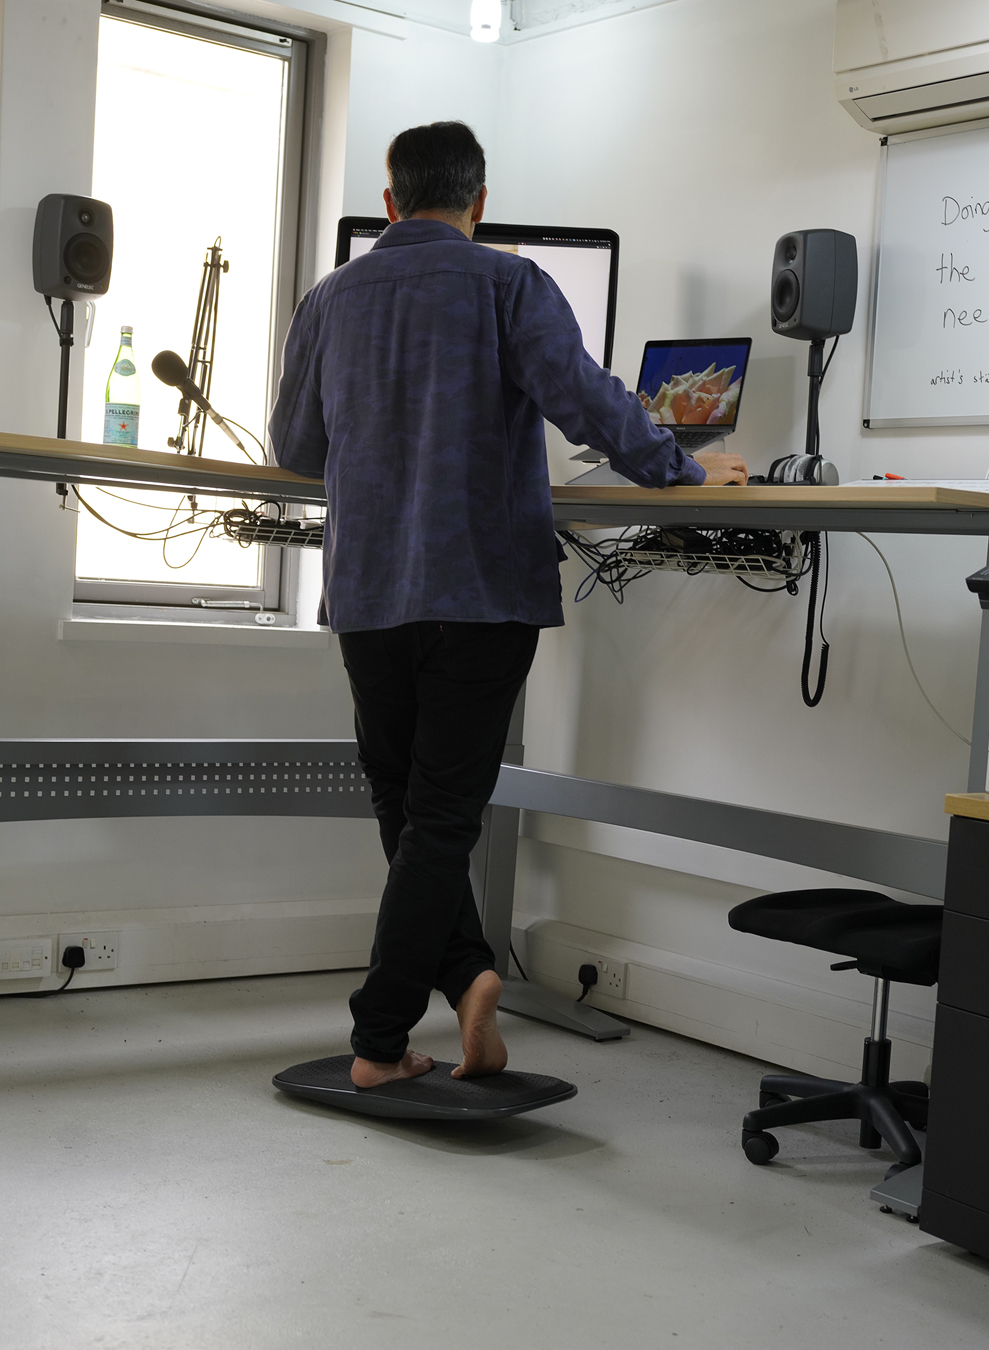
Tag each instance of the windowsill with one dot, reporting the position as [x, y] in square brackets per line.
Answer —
[196, 634]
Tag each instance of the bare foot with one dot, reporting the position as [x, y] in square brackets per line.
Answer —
[477, 1013]
[365, 1073]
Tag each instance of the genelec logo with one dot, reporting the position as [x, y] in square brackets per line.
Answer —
[82, 286]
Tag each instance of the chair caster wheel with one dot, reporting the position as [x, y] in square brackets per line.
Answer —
[759, 1148]
[771, 1099]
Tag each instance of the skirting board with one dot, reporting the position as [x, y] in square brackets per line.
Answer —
[798, 1028]
[208, 942]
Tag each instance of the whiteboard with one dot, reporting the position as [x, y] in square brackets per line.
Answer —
[930, 310]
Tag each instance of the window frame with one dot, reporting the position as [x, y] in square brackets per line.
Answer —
[304, 51]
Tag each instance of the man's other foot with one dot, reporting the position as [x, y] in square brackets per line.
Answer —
[365, 1073]
[477, 1013]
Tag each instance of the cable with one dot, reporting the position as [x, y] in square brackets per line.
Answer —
[812, 699]
[903, 639]
[247, 433]
[517, 962]
[155, 536]
[830, 355]
[58, 330]
[50, 993]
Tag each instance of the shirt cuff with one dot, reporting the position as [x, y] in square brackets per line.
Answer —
[692, 474]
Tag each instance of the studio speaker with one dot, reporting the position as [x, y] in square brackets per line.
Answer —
[815, 280]
[73, 247]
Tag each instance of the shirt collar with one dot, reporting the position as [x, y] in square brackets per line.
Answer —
[419, 232]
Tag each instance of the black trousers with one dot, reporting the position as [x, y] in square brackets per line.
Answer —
[432, 707]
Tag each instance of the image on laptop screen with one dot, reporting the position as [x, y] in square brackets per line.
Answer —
[693, 383]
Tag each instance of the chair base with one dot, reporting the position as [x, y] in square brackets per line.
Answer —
[885, 1109]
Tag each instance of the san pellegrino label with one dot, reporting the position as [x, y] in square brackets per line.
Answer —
[123, 395]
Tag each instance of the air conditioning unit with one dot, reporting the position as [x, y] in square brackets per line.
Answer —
[905, 65]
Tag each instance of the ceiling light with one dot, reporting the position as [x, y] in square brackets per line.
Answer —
[485, 20]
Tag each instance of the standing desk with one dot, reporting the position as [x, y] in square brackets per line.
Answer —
[882, 857]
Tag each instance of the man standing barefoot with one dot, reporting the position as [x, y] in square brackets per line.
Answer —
[415, 380]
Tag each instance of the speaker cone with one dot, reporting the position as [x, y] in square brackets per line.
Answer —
[786, 295]
[86, 258]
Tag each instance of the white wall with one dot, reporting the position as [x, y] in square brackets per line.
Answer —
[702, 131]
[432, 76]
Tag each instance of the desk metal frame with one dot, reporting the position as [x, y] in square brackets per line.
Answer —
[880, 857]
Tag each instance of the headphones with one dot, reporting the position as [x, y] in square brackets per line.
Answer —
[803, 469]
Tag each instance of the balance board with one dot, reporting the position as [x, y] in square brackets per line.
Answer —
[431, 1096]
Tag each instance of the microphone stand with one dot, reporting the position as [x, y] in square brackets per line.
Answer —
[192, 426]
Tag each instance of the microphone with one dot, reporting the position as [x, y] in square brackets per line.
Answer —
[171, 369]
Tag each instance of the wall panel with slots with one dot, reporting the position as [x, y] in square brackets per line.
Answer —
[64, 780]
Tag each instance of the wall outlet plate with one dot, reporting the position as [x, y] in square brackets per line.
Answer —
[612, 976]
[100, 948]
[25, 958]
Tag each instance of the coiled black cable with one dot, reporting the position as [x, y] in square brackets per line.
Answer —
[812, 700]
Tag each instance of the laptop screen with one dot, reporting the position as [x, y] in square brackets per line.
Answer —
[693, 383]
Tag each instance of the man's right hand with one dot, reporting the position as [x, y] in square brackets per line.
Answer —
[720, 468]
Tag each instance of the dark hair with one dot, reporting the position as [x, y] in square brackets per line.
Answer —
[439, 167]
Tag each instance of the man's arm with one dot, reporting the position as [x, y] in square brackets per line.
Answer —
[297, 428]
[545, 357]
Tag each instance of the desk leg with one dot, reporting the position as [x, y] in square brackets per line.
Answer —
[493, 879]
[979, 755]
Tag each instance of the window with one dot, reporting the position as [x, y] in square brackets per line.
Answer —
[205, 141]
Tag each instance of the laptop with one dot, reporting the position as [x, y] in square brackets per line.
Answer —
[694, 387]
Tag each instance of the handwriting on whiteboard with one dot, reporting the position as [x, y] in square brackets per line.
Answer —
[960, 376]
[950, 273]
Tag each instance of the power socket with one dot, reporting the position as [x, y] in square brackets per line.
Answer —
[100, 948]
[612, 976]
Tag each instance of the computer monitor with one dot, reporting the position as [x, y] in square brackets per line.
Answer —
[583, 263]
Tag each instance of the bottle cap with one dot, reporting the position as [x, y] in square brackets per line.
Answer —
[126, 328]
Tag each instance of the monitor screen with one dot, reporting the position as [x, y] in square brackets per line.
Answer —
[583, 263]
[696, 382]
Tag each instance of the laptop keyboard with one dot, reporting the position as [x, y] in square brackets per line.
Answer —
[689, 439]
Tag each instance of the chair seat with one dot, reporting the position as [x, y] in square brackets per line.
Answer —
[886, 938]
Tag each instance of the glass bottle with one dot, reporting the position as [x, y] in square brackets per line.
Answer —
[123, 395]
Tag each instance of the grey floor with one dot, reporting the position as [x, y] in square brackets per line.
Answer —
[158, 1192]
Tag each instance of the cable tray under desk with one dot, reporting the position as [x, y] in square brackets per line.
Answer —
[675, 560]
[279, 533]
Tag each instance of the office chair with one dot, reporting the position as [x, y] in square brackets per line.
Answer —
[887, 939]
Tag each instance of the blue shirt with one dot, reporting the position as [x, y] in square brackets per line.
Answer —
[415, 380]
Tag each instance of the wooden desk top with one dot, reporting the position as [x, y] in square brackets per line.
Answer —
[888, 494]
[50, 460]
[975, 805]
[46, 459]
